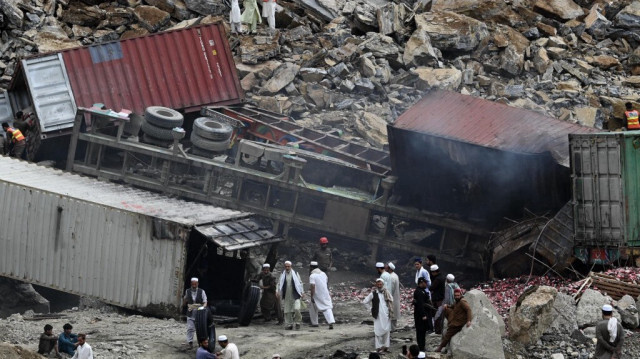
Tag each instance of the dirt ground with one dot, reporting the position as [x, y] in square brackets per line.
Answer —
[120, 335]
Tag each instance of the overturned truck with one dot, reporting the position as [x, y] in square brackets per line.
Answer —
[124, 246]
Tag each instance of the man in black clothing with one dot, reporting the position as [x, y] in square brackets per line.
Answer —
[420, 308]
[437, 294]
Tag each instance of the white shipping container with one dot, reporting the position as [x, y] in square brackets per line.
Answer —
[124, 246]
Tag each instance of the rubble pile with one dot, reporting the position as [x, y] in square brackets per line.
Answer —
[358, 64]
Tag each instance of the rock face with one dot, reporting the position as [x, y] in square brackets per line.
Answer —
[626, 306]
[532, 317]
[589, 310]
[282, 76]
[483, 340]
[563, 313]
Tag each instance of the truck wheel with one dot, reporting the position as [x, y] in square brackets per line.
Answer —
[202, 329]
[209, 128]
[163, 117]
[157, 132]
[209, 145]
[154, 141]
[249, 305]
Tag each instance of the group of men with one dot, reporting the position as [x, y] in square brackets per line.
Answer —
[251, 15]
[66, 344]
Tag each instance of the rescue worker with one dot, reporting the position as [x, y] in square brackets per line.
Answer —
[323, 256]
[17, 138]
[631, 117]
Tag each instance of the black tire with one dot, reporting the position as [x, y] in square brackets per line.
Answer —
[209, 145]
[163, 117]
[212, 338]
[209, 128]
[157, 132]
[202, 329]
[202, 153]
[249, 305]
[154, 141]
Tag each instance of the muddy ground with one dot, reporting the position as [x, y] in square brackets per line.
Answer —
[114, 334]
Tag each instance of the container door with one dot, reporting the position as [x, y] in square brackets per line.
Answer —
[597, 189]
[6, 113]
[51, 92]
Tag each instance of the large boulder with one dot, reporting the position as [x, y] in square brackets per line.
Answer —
[563, 313]
[629, 17]
[326, 10]
[444, 79]
[563, 9]
[532, 314]
[626, 306]
[151, 18]
[12, 13]
[282, 76]
[18, 297]
[418, 50]
[483, 339]
[589, 311]
[373, 128]
[451, 32]
[206, 7]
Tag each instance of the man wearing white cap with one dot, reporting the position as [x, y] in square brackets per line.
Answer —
[383, 274]
[394, 289]
[291, 291]
[268, 286]
[609, 335]
[320, 296]
[380, 302]
[229, 350]
[437, 295]
[194, 297]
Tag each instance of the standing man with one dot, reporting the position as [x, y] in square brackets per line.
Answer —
[67, 341]
[320, 296]
[609, 335]
[457, 315]
[420, 307]
[235, 17]
[251, 15]
[631, 117]
[323, 256]
[394, 288]
[17, 138]
[269, 11]
[229, 350]
[450, 287]
[290, 289]
[268, 300]
[194, 298]
[48, 342]
[383, 274]
[421, 272]
[437, 295]
[203, 352]
[83, 350]
[381, 304]
[431, 260]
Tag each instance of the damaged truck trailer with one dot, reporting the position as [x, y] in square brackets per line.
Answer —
[124, 246]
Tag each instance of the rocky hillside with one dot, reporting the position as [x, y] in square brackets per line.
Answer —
[357, 65]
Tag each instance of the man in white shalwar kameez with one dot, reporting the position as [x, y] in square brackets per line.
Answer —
[320, 296]
[383, 274]
[234, 17]
[381, 304]
[290, 290]
[394, 288]
[269, 11]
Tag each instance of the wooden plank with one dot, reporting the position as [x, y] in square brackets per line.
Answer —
[614, 287]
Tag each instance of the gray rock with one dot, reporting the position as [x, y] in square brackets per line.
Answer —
[388, 18]
[14, 16]
[449, 31]
[205, 7]
[364, 86]
[511, 61]
[310, 74]
[164, 5]
[626, 306]
[151, 18]
[541, 60]
[418, 50]
[564, 314]
[105, 35]
[180, 10]
[326, 10]
[589, 310]
[557, 356]
[529, 320]
[367, 67]
[347, 86]
[282, 76]
[483, 339]
[89, 16]
[563, 9]
[18, 297]
[380, 46]
[596, 23]
[365, 16]
[629, 17]
[373, 128]
[339, 70]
